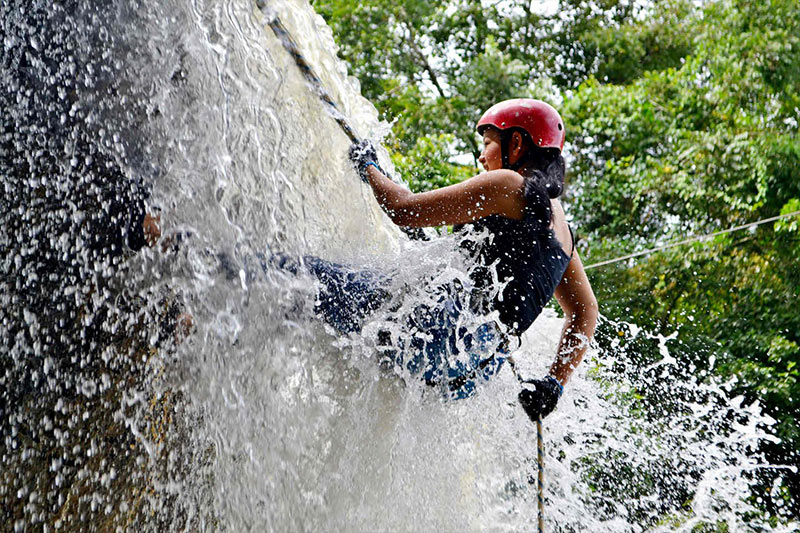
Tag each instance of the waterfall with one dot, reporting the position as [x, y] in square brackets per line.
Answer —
[120, 411]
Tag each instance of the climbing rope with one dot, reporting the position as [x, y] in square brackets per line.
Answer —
[308, 72]
[692, 239]
[539, 457]
[290, 45]
[540, 481]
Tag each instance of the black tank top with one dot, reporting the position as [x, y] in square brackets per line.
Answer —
[529, 265]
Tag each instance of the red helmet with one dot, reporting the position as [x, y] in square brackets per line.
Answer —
[540, 120]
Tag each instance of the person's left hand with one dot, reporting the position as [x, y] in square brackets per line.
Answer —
[540, 396]
[362, 154]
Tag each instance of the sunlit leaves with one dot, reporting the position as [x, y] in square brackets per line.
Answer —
[789, 224]
[427, 165]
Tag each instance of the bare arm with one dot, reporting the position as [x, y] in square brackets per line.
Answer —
[575, 295]
[494, 192]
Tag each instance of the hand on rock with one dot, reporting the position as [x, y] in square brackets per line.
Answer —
[151, 227]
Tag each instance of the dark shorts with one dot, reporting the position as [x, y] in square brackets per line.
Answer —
[429, 343]
[444, 354]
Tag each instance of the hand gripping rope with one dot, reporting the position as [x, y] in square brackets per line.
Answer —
[539, 459]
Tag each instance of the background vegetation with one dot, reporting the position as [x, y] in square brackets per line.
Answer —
[681, 119]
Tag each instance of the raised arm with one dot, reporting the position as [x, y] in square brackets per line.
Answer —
[496, 192]
[575, 295]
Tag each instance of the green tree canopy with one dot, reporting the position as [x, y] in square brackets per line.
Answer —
[682, 119]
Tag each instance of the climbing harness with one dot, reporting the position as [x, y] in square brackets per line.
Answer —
[692, 239]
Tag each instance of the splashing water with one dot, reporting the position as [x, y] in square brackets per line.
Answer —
[260, 416]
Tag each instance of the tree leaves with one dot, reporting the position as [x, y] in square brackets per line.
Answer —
[681, 120]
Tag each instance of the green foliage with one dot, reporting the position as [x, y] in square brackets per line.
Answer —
[792, 224]
[433, 67]
[718, 527]
[426, 166]
[616, 41]
[681, 120]
[692, 150]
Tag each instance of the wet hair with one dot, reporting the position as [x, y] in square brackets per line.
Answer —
[544, 176]
[547, 164]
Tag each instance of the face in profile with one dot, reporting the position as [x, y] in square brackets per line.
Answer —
[491, 156]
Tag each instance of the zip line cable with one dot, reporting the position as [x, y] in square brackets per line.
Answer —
[692, 239]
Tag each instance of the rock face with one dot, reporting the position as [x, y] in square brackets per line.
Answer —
[80, 335]
[111, 112]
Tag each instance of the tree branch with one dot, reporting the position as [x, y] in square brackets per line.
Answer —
[425, 64]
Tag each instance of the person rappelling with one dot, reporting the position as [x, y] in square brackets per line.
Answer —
[529, 246]
[523, 255]
[528, 238]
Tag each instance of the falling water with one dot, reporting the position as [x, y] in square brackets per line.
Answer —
[117, 412]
